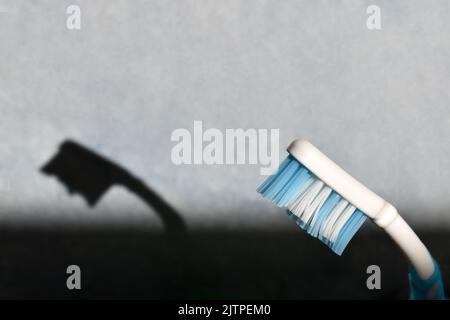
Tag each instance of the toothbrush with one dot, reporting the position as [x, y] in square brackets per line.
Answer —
[331, 205]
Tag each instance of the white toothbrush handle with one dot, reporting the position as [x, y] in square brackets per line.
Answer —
[411, 245]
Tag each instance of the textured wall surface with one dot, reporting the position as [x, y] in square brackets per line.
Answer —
[377, 102]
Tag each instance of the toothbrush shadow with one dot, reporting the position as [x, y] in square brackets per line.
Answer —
[91, 175]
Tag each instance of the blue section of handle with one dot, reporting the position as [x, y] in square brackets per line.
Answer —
[430, 289]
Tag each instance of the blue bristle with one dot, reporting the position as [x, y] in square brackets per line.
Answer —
[290, 175]
[348, 231]
[281, 179]
[263, 187]
[292, 188]
[288, 188]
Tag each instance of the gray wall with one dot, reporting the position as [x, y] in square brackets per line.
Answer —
[375, 101]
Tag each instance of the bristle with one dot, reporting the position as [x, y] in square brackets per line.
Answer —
[315, 207]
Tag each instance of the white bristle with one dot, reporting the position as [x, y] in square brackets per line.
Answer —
[342, 219]
[323, 196]
[332, 218]
[306, 198]
[313, 209]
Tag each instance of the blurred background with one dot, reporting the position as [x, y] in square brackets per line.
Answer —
[91, 111]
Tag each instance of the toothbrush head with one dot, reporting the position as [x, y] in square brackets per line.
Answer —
[320, 197]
